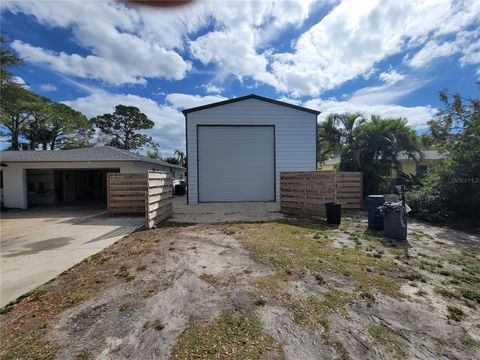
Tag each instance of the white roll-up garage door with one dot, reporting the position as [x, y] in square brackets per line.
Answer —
[236, 163]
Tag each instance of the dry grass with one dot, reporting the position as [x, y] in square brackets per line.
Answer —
[230, 336]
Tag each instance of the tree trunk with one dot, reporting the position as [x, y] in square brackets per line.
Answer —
[44, 146]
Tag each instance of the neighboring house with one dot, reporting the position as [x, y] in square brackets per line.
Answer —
[237, 148]
[59, 176]
[421, 165]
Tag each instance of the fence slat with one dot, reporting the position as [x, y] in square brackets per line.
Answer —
[158, 198]
[307, 192]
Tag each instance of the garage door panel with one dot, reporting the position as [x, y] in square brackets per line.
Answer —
[236, 163]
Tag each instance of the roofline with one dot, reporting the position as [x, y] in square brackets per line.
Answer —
[91, 161]
[251, 96]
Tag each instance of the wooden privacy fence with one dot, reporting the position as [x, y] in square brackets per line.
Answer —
[126, 192]
[158, 198]
[141, 193]
[306, 192]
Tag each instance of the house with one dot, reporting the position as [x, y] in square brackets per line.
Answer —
[419, 166]
[61, 176]
[237, 148]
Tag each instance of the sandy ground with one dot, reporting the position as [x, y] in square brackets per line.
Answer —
[223, 212]
[39, 243]
[177, 273]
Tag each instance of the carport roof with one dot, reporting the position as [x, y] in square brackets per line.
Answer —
[102, 153]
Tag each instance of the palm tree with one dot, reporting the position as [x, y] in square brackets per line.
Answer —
[180, 156]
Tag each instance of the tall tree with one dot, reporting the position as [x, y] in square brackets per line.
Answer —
[12, 96]
[15, 112]
[180, 156]
[123, 126]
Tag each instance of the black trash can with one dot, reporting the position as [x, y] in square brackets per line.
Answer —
[375, 218]
[180, 189]
[394, 221]
[334, 212]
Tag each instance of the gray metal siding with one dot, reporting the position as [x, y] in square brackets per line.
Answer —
[295, 135]
[236, 163]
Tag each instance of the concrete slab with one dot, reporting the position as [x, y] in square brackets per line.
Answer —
[211, 213]
[38, 244]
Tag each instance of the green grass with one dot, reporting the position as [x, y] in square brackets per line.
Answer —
[294, 250]
[312, 311]
[230, 336]
[381, 334]
[125, 274]
[32, 346]
[455, 313]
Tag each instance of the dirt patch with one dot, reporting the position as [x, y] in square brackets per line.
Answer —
[289, 288]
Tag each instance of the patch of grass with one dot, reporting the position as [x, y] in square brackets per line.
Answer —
[142, 268]
[228, 337]
[260, 302]
[421, 293]
[83, 355]
[455, 313]
[446, 293]
[468, 341]
[312, 310]
[381, 334]
[125, 274]
[77, 297]
[158, 325]
[124, 306]
[290, 248]
[270, 283]
[31, 346]
[470, 294]
[101, 257]
[210, 279]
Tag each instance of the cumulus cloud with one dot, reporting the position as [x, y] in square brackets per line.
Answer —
[19, 80]
[417, 115]
[48, 87]
[185, 101]
[352, 39]
[169, 129]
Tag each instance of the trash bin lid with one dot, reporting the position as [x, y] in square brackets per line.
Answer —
[375, 199]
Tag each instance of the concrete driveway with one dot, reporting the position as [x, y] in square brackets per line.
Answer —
[38, 244]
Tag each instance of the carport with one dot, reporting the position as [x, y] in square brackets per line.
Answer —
[75, 176]
[67, 186]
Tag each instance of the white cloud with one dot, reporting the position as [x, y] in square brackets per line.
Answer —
[150, 61]
[169, 129]
[431, 51]
[48, 87]
[186, 101]
[129, 45]
[212, 89]
[389, 93]
[352, 39]
[417, 116]
[19, 80]
[391, 77]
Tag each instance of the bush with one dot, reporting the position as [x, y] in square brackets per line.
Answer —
[427, 201]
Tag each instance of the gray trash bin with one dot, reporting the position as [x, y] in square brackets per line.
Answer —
[394, 221]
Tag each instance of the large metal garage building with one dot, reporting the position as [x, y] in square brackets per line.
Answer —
[237, 148]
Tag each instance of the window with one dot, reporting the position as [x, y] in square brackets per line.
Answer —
[422, 170]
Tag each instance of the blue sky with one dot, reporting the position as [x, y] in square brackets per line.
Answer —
[378, 57]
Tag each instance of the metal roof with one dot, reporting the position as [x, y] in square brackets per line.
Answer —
[251, 96]
[102, 153]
